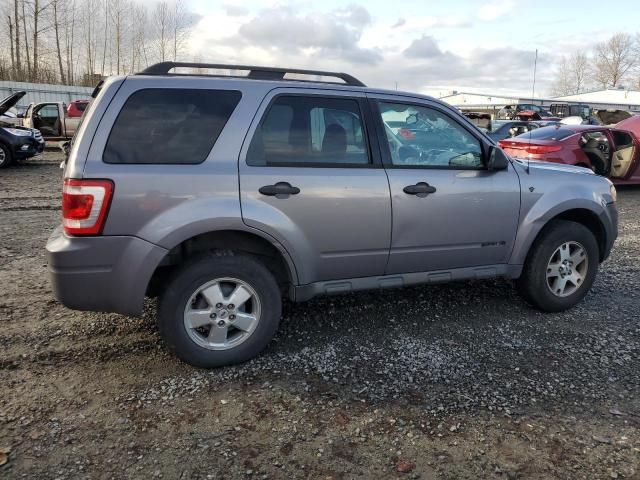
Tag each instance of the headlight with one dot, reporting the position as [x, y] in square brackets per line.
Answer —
[614, 192]
[18, 132]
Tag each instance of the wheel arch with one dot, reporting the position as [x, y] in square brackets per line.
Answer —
[581, 215]
[227, 242]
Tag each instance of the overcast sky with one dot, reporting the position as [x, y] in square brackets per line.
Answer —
[430, 46]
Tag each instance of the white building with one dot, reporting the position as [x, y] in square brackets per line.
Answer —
[600, 99]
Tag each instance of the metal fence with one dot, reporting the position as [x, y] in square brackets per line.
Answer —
[43, 92]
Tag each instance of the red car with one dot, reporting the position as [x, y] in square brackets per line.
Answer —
[610, 151]
[77, 108]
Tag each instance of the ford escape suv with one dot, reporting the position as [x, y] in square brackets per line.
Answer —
[222, 194]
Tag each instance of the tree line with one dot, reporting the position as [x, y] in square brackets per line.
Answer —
[610, 64]
[78, 42]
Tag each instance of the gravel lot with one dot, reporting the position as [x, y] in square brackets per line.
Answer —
[461, 381]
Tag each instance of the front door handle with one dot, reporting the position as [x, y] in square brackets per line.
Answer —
[279, 190]
[420, 189]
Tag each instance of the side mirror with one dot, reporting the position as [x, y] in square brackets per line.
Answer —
[20, 115]
[498, 160]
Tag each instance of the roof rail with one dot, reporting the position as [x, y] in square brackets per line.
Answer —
[258, 73]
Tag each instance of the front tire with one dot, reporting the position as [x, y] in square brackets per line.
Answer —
[561, 267]
[219, 310]
[6, 159]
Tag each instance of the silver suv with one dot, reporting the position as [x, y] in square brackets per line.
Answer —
[220, 194]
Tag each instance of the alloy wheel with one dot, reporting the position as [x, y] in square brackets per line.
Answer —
[222, 313]
[567, 269]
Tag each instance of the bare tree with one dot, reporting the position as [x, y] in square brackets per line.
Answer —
[562, 84]
[613, 59]
[13, 56]
[139, 38]
[16, 19]
[56, 26]
[162, 27]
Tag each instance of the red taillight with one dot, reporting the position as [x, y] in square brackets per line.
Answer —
[542, 149]
[84, 205]
[529, 148]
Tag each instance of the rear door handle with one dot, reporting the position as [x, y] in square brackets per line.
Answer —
[279, 190]
[420, 189]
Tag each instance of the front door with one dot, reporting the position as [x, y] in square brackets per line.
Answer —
[624, 159]
[449, 210]
[46, 118]
[310, 178]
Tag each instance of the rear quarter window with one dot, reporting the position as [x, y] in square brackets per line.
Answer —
[169, 126]
[548, 133]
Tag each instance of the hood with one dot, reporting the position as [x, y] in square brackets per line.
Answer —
[631, 124]
[611, 116]
[10, 101]
[556, 167]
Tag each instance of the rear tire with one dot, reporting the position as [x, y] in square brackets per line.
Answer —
[6, 159]
[203, 291]
[560, 268]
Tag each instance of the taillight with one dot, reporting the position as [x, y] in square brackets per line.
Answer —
[529, 148]
[542, 149]
[84, 205]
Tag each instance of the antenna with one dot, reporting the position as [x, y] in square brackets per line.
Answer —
[533, 95]
[535, 67]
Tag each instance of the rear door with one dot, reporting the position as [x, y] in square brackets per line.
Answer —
[624, 160]
[310, 178]
[449, 211]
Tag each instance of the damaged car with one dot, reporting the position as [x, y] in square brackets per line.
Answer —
[17, 142]
[610, 152]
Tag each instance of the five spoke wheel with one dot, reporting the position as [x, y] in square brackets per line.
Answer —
[222, 313]
[567, 269]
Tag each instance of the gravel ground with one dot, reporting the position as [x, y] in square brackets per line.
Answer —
[461, 381]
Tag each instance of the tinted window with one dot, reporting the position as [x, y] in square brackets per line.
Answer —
[310, 131]
[164, 126]
[428, 138]
[549, 133]
[81, 106]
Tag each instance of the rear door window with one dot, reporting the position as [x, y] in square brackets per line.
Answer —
[169, 126]
[311, 131]
[550, 133]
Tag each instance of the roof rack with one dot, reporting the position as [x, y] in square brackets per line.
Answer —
[257, 73]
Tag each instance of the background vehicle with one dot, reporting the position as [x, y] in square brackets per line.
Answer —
[51, 119]
[563, 110]
[260, 187]
[479, 119]
[77, 108]
[501, 129]
[525, 111]
[610, 152]
[16, 142]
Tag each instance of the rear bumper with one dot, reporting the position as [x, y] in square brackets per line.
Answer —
[104, 274]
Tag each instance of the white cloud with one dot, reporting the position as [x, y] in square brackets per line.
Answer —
[495, 9]
[351, 40]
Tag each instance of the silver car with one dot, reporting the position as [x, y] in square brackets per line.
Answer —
[223, 194]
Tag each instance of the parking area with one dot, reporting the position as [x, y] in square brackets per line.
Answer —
[459, 381]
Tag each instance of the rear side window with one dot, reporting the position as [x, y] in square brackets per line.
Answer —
[169, 126]
[310, 131]
[549, 133]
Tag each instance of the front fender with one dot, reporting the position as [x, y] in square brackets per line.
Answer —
[540, 208]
